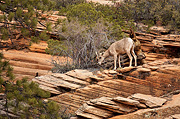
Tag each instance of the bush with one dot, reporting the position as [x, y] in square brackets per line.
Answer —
[78, 50]
[150, 12]
[85, 13]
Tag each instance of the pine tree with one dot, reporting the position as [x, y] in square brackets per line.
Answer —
[25, 14]
[24, 98]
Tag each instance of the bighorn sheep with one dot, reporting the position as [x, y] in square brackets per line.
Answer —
[118, 48]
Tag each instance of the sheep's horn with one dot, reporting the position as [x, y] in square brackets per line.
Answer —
[97, 54]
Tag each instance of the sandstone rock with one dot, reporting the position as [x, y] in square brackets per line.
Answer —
[160, 29]
[101, 91]
[128, 101]
[153, 68]
[106, 77]
[176, 61]
[43, 83]
[143, 70]
[87, 115]
[69, 79]
[10, 115]
[49, 89]
[57, 82]
[95, 111]
[168, 117]
[112, 72]
[73, 118]
[148, 100]
[81, 74]
[109, 72]
[106, 71]
[125, 69]
[176, 116]
[2, 95]
[98, 73]
[145, 65]
[172, 67]
[158, 62]
[96, 78]
[107, 103]
[134, 74]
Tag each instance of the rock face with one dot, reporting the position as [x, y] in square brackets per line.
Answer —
[170, 110]
[64, 82]
[72, 90]
[128, 101]
[148, 100]
[81, 74]
[105, 107]
[28, 63]
[125, 69]
[176, 116]
[106, 90]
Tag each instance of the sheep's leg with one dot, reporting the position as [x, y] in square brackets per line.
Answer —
[130, 57]
[135, 57]
[115, 59]
[119, 61]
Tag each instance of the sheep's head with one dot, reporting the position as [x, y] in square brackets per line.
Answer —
[100, 57]
[140, 54]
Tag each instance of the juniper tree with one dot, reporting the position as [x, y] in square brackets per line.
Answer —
[25, 14]
[24, 98]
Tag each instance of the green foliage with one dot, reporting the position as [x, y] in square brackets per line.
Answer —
[89, 14]
[43, 36]
[58, 22]
[34, 22]
[24, 98]
[48, 26]
[5, 34]
[62, 11]
[55, 47]
[25, 32]
[27, 14]
[111, 13]
[85, 13]
[19, 12]
[1, 18]
[11, 16]
[151, 11]
[66, 3]
[35, 39]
